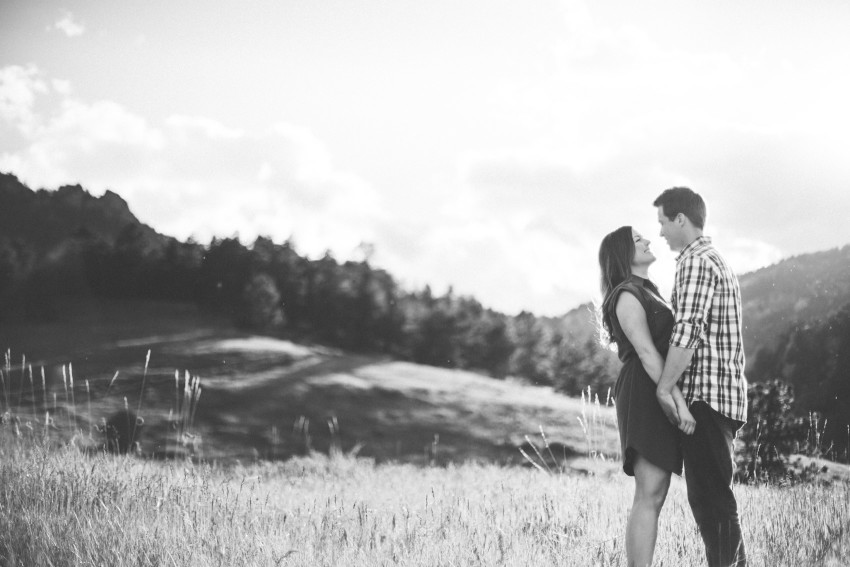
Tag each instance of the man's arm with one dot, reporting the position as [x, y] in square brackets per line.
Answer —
[693, 293]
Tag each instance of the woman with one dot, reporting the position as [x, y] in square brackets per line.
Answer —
[639, 322]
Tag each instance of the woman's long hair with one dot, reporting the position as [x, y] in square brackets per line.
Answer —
[615, 264]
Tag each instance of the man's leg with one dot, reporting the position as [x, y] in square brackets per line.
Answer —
[708, 473]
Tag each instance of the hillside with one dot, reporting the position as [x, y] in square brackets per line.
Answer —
[798, 291]
[270, 398]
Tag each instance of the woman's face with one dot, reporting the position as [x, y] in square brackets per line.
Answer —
[643, 255]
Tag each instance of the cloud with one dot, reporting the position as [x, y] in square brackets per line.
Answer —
[782, 191]
[19, 87]
[69, 26]
[620, 117]
[761, 188]
[500, 264]
[515, 231]
[192, 176]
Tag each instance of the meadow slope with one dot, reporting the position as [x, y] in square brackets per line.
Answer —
[266, 398]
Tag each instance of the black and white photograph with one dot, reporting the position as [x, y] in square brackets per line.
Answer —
[424, 283]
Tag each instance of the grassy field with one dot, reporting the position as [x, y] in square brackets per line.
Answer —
[302, 455]
[60, 507]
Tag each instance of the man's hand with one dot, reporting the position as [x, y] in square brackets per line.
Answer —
[687, 423]
[668, 405]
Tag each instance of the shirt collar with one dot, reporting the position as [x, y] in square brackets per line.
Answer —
[700, 241]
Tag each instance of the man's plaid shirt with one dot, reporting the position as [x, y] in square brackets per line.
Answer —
[707, 305]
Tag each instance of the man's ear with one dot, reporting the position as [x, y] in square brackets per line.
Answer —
[681, 218]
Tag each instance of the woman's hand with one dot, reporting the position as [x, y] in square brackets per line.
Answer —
[687, 423]
[668, 406]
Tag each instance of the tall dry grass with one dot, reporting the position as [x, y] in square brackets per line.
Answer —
[61, 507]
[77, 411]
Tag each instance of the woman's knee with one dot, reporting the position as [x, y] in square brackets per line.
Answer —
[651, 484]
[651, 495]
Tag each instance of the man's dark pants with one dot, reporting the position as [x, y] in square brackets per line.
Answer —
[708, 473]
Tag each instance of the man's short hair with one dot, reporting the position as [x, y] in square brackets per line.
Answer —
[682, 200]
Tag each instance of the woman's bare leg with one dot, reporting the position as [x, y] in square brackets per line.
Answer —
[651, 485]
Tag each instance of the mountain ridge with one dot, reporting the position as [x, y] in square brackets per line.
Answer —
[47, 217]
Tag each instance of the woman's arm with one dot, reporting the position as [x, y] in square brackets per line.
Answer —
[632, 318]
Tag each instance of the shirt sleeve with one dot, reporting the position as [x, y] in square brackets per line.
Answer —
[694, 290]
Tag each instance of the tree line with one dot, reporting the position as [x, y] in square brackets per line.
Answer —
[270, 288]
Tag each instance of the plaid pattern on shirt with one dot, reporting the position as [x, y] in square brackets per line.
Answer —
[707, 305]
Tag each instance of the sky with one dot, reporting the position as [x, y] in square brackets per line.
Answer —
[486, 145]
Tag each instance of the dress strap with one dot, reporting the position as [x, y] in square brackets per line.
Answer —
[610, 304]
[627, 286]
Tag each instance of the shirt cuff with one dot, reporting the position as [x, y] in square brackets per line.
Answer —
[686, 335]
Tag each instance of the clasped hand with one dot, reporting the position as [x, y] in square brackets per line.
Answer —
[677, 412]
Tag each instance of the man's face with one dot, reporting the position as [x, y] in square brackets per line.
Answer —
[671, 230]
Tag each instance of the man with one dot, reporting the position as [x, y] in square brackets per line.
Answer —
[706, 358]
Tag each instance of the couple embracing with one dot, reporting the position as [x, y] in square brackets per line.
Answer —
[681, 395]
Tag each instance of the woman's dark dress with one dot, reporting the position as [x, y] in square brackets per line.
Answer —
[644, 429]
